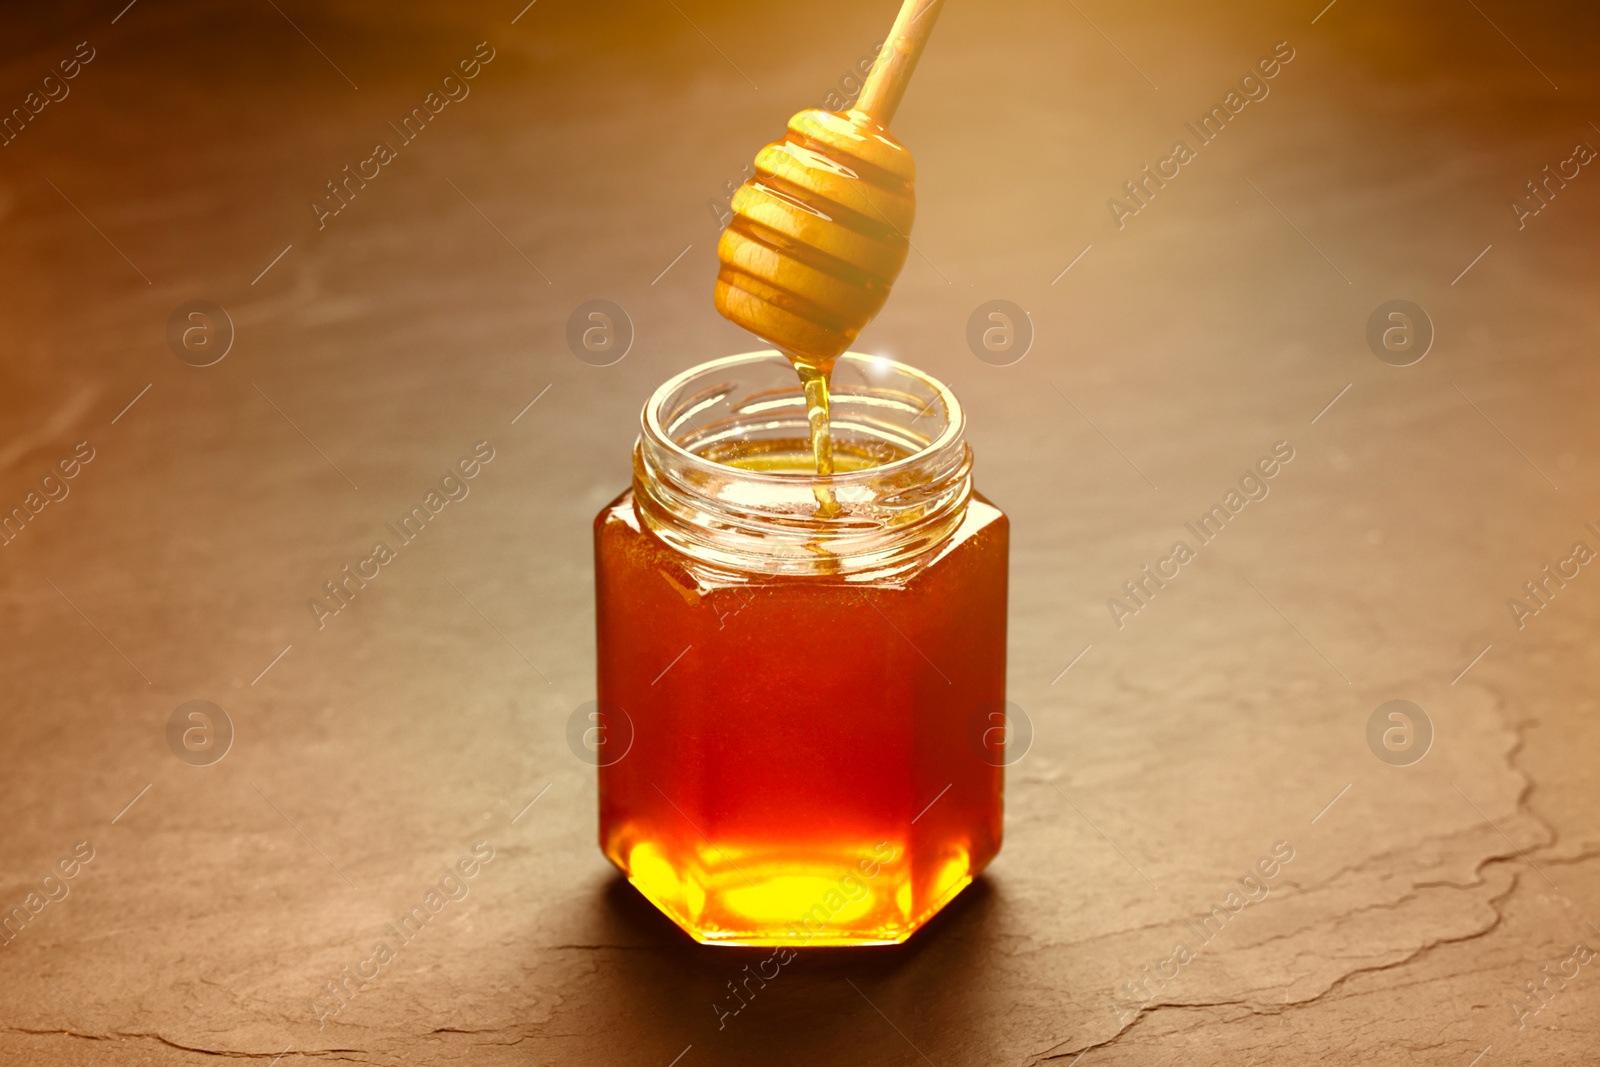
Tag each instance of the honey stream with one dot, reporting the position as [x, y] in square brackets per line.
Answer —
[814, 380]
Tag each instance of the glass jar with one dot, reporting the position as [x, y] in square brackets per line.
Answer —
[801, 675]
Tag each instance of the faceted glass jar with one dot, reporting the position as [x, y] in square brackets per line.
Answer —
[800, 677]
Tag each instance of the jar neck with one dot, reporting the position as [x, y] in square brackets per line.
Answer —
[721, 468]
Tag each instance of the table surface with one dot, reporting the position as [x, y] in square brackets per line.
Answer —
[1174, 747]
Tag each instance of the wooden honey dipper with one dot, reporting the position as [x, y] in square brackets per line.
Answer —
[819, 234]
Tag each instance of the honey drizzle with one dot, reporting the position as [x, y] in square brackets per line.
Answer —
[814, 380]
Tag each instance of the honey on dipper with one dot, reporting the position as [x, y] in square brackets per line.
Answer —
[801, 600]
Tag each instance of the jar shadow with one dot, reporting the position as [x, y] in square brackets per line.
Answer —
[824, 1005]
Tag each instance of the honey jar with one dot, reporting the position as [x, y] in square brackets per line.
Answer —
[800, 675]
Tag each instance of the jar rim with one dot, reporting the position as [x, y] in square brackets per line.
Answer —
[660, 434]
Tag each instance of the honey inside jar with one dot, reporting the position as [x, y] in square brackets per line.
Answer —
[799, 689]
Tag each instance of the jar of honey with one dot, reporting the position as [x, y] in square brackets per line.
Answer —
[800, 676]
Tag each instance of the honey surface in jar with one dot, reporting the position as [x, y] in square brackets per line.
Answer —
[801, 766]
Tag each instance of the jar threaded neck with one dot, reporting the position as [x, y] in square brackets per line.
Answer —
[719, 475]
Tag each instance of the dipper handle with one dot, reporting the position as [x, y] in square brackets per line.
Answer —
[890, 75]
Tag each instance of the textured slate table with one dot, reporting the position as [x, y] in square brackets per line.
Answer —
[373, 348]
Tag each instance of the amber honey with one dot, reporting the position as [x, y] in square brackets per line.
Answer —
[799, 688]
